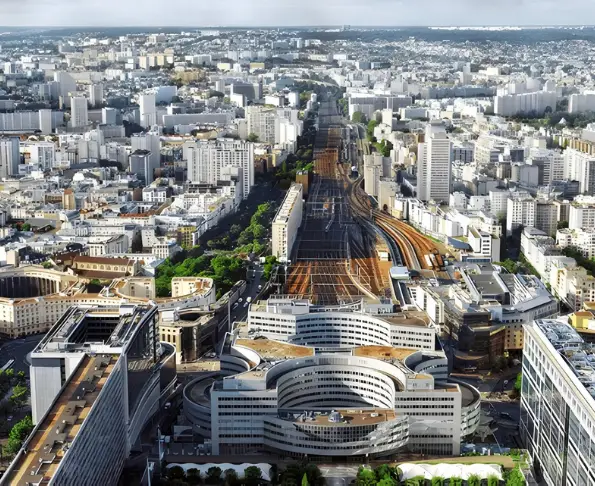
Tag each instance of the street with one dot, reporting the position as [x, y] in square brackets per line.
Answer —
[254, 279]
[18, 349]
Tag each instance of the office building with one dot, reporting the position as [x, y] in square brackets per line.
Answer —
[140, 165]
[46, 124]
[332, 382]
[95, 95]
[434, 170]
[97, 378]
[79, 112]
[66, 87]
[558, 402]
[150, 142]
[207, 159]
[109, 116]
[9, 157]
[287, 222]
[148, 110]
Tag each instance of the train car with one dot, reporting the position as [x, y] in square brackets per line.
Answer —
[428, 261]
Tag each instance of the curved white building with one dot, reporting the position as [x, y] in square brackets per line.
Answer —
[324, 391]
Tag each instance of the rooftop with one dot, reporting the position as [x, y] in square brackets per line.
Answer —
[269, 349]
[579, 355]
[384, 353]
[338, 418]
[50, 439]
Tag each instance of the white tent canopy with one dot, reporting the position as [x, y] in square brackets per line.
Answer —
[446, 470]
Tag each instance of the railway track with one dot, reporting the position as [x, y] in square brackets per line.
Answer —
[418, 252]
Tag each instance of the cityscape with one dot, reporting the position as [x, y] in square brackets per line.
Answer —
[327, 256]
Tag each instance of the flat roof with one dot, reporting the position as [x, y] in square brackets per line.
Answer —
[348, 417]
[60, 426]
[408, 318]
[385, 353]
[270, 349]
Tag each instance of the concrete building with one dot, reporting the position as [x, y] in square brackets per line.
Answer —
[97, 378]
[578, 103]
[581, 214]
[521, 210]
[95, 95]
[150, 142]
[536, 102]
[208, 159]
[287, 222]
[315, 376]
[79, 112]
[434, 165]
[66, 86]
[9, 157]
[141, 165]
[109, 116]
[148, 110]
[580, 166]
[558, 402]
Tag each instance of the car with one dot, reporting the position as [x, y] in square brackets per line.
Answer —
[245, 304]
[240, 299]
[9, 418]
[235, 306]
[259, 287]
[506, 415]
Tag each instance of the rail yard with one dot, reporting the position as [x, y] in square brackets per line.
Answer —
[334, 260]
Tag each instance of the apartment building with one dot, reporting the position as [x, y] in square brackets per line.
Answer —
[434, 166]
[583, 240]
[287, 222]
[521, 210]
[208, 160]
[581, 213]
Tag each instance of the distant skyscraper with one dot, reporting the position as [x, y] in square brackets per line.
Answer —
[151, 143]
[67, 86]
[9, 157]
[109, 116]
[95, 95]
[45, 121]
[140, 164]
[148, 110]
[434, 169]
[79, 112]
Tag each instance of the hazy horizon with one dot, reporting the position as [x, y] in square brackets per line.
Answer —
[306, 13]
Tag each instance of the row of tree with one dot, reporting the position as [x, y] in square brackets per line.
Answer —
[304, 474]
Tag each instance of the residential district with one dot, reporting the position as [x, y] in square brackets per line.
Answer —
[284, 256]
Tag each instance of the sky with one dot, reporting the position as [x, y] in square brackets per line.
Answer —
[197, 13]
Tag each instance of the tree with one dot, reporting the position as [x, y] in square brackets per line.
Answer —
[231, 477]
[252, 475]
[17, 436]
[493, 480]
[365, 477]
[252, 137]
[562, 224]
[176, 472]
[193, 476]
[516, 478]
[518, 383]
[235, 229]
[305, 480]
[509, 265]
[473, 480]
[214, 475]
[19, 396]
[26, 227]
[358, 117]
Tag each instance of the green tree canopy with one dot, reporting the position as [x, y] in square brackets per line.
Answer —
[20, 431]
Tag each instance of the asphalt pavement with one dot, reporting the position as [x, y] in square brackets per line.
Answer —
[255, 278]
[18, 349]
